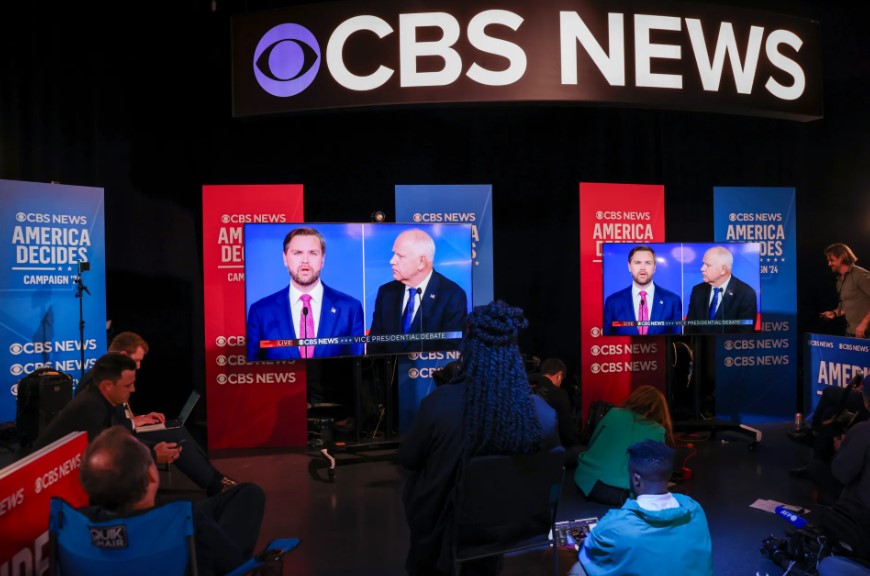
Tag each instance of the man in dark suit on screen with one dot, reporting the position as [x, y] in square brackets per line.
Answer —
[643, 300]
[721, 296]
[418, 300]
[307, 308]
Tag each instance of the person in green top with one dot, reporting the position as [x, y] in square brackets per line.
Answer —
[602, 470]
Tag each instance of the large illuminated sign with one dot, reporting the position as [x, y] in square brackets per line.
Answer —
[655, 54]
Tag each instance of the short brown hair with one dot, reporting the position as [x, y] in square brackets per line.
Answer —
[641, 248]
[304, 231]
[128, 342]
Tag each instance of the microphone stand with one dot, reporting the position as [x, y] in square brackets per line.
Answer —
[80, 288]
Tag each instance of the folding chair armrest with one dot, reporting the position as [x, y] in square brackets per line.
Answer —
[273, 551]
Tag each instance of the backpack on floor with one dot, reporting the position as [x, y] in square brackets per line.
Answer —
[40, 396]
[597, 411]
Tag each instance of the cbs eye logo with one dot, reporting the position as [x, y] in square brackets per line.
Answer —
[286, 60]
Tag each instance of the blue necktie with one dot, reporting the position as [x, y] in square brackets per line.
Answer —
[409, 310]
[714, 302]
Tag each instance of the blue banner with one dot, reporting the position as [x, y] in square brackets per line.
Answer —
[471, 204]
[832, 361]
[756, 375]
[56, 236]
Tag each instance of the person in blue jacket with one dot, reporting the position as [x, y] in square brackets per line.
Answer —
[655, 532]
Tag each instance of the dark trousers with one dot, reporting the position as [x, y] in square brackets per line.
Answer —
[239, 512]
[226, 528]
[607, 494]
[192, 461]
[847, 523]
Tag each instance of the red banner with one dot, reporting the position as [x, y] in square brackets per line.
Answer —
[26, 488]
[250, 404]
[612, 366]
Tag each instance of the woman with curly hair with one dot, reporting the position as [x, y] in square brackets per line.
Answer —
[489, 409]
[602, 470]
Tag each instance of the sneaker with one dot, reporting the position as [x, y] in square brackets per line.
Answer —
[228, 483]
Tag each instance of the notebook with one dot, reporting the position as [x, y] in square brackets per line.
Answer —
[178, 422]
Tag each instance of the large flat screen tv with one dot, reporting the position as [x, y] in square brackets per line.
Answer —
[689, 288]
[331, 290]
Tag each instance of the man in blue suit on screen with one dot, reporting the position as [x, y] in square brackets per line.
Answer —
[418, 300]
[643, 301]
[307, 308]
[721, 297]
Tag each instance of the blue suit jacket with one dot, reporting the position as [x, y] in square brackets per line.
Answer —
[443, 308]
[619, 307]
[739, 302]
[269, 319]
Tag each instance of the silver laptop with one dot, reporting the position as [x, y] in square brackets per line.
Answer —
[178, 422]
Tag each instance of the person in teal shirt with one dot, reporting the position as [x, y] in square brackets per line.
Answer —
[602, 470]
[656, 533]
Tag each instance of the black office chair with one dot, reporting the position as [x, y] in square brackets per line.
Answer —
[507, 504]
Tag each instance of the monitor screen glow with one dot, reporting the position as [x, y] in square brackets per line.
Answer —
[679, 282]
[347, 295]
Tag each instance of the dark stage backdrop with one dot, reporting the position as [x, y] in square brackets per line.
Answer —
[140, 105]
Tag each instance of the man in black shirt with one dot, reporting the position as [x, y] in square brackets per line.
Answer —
[102, 404]
[549, 387]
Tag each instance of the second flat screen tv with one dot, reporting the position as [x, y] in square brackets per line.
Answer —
[682, 298]
[342, 289]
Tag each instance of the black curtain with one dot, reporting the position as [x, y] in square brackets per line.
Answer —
[139, 104]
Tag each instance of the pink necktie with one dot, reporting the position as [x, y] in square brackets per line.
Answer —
[307, 324]
[642, 314]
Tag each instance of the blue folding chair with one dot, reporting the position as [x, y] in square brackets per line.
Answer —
[158, 541]
[841, 566]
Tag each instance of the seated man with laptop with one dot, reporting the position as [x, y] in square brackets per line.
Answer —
[132, 345]
[102, 404]
[136, 347]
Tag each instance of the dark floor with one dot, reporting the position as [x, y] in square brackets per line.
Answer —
[355, 524]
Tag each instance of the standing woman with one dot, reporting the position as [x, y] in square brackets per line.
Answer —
[602, 470]
[489, 409]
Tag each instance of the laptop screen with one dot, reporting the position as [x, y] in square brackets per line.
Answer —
[188, 406]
